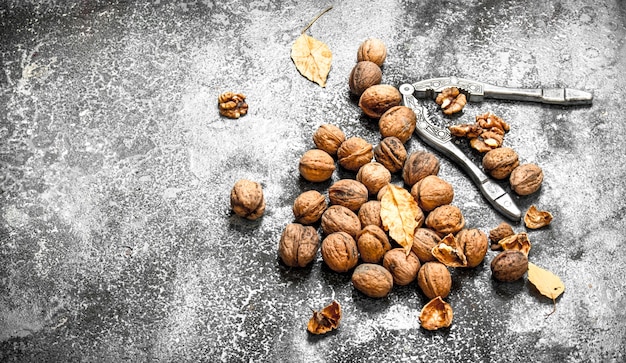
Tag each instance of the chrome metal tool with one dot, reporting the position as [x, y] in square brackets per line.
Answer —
[440, 139]
[477, 91]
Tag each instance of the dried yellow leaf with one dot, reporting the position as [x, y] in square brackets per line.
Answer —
[312, 58]
[398, 212]
[548, 284]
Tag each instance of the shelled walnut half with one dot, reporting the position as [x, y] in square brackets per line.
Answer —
[232, 105]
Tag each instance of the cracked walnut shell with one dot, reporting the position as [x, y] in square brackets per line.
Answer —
[436, 314]
[354, 153]
[434, 279]
[398, 121]
[377, 99]
[298, 245]
[526, 179]
[451, 100]
[372, 243]
[535, 218]
[309, 207]
[391, 153]
[338, 218]
[403, 267]
[247, 200]
[372, 280]
[328, 137]
[339, 252]
[316, 165]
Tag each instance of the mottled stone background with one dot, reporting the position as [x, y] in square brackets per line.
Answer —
[117, 242]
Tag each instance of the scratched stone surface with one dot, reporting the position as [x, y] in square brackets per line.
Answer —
[117, 242]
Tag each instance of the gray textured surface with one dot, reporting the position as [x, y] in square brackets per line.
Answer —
[117, 242]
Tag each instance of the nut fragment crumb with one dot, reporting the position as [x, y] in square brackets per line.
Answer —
[451, 100]
[232, 105]
[536, 218]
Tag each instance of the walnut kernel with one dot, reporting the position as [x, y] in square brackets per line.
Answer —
[232, 105]
[451, 100]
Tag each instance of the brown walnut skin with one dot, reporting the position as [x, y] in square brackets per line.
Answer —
[475, 244]
[391, 153]
[338, 218]
[398, 121]
[377, 99]
[339, 252]
[369, 213]
[298, 245]
[500, 162]
[328, 137]
[509, 265]
[309, 207]
[526, 179]
[424, 240]
[349, 193]
[364, 75]
[316, 165]
[374, 176]
[372, 243]
[432, 192]
[419, 165]
[403, 267]
[434, 279]
[503, 230]
[373, 50]
[445, 220]
[247, 200]
[372, 280]
[354, 153]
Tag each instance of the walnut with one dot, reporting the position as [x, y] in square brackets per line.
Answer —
[364, 75]
[474, 244]
[449, 252]
[338, 218]
[372, 280]
[391, 153]
[377, 99]
[349, 193]
[328, 137]
[398, 121]
[484, 135]
[369, 213]
[339, 252]
[503, 230]
[374, 176]
[298, 245]
[354, 153]
[434, 279]
[535, 218]
[372, 243]
[316, 165]
[424, 240]
[403, 267]
[419, 165]
[451, 100]
[509, 266]
[526, 179]
[500, 162]
[247, 200]
[232, 105]
[309, 207]
[489, 121]
[432, 192]
[445, 220]
[436, 314]
[373, 50]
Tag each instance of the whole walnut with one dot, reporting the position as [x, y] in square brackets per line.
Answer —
[391, 153]
[474, 243]
[377, 99]
[372, 243]
[328, 137]
[354, 153]
[298, 245]
[503, 230]
[372, 280]
[434, 279]
[403, 267]
[424, 240]
[339, 252]
[247, 200]
[419, 165]
[373, 50]
[374, 176]
[500, 162]
[432, 192]
[398, 121]
[316, 165]
[349, 193]
[526, 179]
[338, 218]
[445, 220]
[369, 213]
[364, 75]
[509, 265]
[309, 207]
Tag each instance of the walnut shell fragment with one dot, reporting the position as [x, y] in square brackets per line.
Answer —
[536, 218]
[436, 314]
[449, 252]
[516, 242]
[372, 280]
[326, 319]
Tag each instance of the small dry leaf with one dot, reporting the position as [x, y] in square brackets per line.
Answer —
[312, 57]
[536, 218]
[448, 252]
[326, 319]
[436, 314]
[398, 212]
[547, 283]
[518, 242]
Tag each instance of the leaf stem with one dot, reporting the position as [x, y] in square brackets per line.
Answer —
[315, 19]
